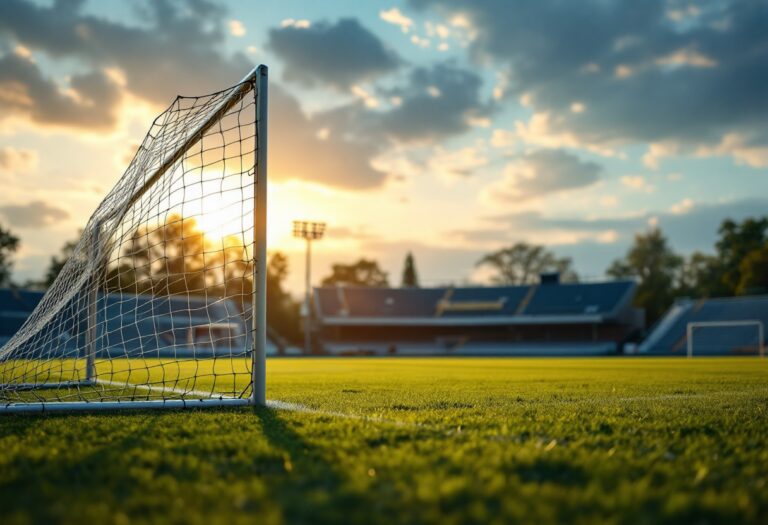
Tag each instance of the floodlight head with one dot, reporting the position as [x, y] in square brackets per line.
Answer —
[308, 230]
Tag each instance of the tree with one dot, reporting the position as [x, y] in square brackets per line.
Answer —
[523, 263]
[57, 263]
[361, 273]
[9, 243]
[753, 272]
[410, 277]
[283, 314]
[735, 243]
[175, 258]
[656, 268]
[701, 276]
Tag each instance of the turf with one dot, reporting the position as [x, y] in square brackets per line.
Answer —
[416, 441]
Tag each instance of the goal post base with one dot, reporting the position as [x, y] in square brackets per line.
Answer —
[93, 406]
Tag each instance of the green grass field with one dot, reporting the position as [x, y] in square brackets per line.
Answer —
[416, 441]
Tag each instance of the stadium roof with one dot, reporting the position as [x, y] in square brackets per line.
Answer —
[447, 306]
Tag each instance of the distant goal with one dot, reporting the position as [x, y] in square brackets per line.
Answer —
[162, 303]
[744, 337]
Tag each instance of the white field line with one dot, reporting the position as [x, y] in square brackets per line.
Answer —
[271, 403]
[162, 389]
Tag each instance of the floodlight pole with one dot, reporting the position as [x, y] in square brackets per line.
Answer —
[259, 390]
[309, 231]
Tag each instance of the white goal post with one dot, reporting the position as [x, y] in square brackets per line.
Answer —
[692, 326]
[162, 303]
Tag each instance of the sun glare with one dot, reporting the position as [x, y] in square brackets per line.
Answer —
[220, 216]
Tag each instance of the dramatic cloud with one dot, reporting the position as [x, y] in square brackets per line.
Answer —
[439, 101]
[633, 71]
[89, 102]
[339, 55]
[543, 172]
[318, 149]
[177, 46]
[36, 214]
[175, 43]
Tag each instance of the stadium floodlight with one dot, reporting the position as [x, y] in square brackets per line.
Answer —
[758, 325]
[162, 303]
[309, 231]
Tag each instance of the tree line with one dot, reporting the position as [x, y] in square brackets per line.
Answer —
[177, 258]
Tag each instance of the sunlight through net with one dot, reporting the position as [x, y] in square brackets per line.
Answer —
[156, 301]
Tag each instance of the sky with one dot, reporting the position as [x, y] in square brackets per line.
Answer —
[448, 128]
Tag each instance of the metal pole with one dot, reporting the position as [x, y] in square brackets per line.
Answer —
[307, 301]
[761, 335]
[259, 392]
[93, 298]
[690, 340]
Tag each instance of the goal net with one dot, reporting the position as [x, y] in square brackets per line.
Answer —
[718, 338]
[162, 301]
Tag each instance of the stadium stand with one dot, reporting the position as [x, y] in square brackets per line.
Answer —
[15, 307]
[669, 336]
[549, 318]
[143, 325]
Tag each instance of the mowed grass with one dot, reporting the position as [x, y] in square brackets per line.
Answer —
[416, 441]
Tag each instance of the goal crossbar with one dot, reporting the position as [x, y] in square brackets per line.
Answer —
[256, 80]
[713, 324]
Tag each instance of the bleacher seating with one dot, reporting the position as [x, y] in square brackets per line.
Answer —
[15, 307]
[577, 299]
[389, 302]
[669, 337]
[543, 300]
[544, 319]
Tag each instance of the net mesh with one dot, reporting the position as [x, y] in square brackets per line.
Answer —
[156, 300]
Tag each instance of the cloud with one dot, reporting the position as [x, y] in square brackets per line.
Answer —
[173, 45]
[540, 173]
[643, 74]
[236, 28]
[318, 149]
[690, 226]
[17, 160]
[743, 150]
[594, 243]
[460, 162]
[439, 101]
[36, 214]
[637, 183]
[339, 54]
[394, 16]
[89, 102]
[292, 22]
[434, 103]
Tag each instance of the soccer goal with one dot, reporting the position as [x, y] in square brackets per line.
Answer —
[745, 337]
[162, 303]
